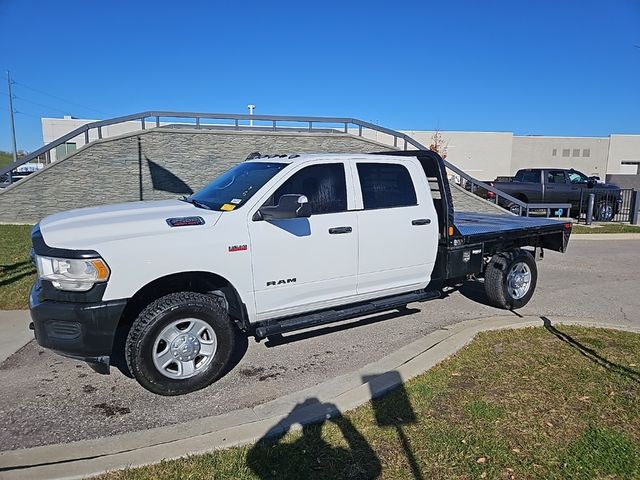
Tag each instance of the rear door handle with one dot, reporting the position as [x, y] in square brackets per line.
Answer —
[338, 230]
[421, 221]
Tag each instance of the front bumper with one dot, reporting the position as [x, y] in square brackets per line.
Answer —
[84, 331]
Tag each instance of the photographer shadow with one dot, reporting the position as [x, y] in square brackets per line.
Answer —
[309, 455]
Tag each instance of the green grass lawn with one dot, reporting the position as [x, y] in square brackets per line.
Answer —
[541, 403]
[606, 228]
[16, 271]
[5, 158]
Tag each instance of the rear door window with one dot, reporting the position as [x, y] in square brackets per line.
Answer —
[529, 176]
[556, 176]
[386, 185]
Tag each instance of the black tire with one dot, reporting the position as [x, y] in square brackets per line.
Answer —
[145, 331]
[604, 212]
[514, 208]
[496, 279]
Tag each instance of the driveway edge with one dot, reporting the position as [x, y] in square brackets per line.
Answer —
[93, 457]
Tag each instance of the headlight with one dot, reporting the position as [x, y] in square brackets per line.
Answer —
[75, 275]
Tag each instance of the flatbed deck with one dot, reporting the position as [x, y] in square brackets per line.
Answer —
[472, 223]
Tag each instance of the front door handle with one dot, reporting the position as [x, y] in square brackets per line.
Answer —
[338, 230]
[421, 221]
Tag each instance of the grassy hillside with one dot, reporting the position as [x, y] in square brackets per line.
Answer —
[5, 158]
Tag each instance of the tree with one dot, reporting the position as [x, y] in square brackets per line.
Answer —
[438, 144]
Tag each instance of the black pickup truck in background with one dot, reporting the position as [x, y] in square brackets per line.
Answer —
[557, 185]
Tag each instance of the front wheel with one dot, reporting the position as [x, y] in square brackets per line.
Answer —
[514, 208]
[510, 279]
[180, 343]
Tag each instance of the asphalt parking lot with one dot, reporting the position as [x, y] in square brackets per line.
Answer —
[49, 399]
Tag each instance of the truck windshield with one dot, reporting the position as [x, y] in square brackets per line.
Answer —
[232, 189]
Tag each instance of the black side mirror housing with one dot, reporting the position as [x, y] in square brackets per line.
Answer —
[289, 206]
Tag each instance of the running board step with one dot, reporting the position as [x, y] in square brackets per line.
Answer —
[274, 327]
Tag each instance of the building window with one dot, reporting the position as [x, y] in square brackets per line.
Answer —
[629, 167]
[554, 152]
[576, 152]
[566, 152]
[65, 149]
[586, 152]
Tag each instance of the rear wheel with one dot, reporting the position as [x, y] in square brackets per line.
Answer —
[180, 343]
[604, 212]
[510, 279]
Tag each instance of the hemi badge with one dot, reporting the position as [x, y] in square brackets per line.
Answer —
[238, 248]
[185, 221]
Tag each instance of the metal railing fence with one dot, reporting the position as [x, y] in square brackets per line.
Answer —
[96, 131]
[609, 205]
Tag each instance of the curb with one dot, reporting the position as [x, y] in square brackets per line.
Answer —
[86, 458]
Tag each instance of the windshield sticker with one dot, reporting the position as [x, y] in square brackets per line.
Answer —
[236, 201]
[227, 207]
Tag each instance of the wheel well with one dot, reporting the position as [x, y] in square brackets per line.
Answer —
[200, 282]
[522, 197]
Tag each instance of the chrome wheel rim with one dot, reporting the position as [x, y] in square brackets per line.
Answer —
[184, 348]
[519, 280]
[606, 212]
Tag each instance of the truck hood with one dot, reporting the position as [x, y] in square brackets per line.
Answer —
[85, 228]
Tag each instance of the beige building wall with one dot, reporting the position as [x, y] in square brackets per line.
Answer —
[624, 154]
[586, 154]
[483, 155]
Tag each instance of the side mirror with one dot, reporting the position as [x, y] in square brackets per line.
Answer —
[591, 183]
[289, 206]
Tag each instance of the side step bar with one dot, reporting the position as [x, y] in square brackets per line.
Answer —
[274, 327]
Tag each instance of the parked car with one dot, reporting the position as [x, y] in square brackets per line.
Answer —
[557, 185]
[276, 244]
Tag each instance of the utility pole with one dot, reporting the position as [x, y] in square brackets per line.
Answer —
[13, 126]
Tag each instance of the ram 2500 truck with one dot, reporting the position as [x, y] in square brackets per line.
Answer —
[558, 185]
[276, 244]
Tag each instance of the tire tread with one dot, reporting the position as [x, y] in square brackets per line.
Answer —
[145, 322]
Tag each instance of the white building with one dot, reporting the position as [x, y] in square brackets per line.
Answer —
[484, 155]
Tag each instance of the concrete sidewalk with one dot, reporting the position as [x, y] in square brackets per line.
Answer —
[15, 332]
[92, 457]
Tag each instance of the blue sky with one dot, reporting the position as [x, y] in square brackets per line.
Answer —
[531, 67]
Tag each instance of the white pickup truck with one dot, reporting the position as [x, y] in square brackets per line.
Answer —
[276, 244]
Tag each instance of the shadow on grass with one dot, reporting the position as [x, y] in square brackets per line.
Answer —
[16, 276]
[394, 410]
[309, 455]
[590, 353]
[16, 266]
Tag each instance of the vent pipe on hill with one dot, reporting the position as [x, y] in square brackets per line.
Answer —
[251, 108]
